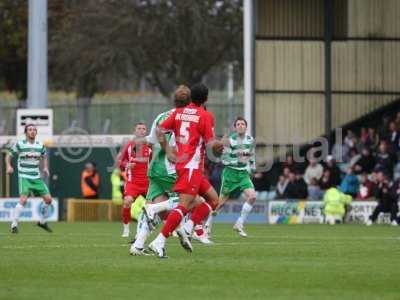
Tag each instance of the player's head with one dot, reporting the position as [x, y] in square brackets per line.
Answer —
[182, 96]
[30, 131]
[240, 125]
[199, 93]
[140, 129]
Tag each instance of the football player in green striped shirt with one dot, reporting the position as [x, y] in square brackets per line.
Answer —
[239, 163]
[30, 153]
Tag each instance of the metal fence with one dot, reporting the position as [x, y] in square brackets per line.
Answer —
[118, 116]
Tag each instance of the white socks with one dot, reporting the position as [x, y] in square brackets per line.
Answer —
[208, 224]
[162, 206]
[160, 240]
[142, 233]
[188, 226]
[246, 209]
[43, 214]
[17, 212]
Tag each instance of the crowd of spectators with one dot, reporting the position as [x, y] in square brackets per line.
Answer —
[365, 158]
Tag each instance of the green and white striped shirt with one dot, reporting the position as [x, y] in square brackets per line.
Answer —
[240, 154]
[29, 156]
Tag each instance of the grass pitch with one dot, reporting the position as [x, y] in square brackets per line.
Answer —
[91, 261]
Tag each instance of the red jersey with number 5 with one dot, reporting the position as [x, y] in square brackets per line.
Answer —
[193, 128]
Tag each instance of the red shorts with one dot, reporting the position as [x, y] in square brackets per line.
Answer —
[136, 189]
[191, 184]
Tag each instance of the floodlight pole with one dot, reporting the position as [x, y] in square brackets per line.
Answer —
[37, 54]
[248, 49]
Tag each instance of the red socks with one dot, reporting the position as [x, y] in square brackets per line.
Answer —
[200, 213]
[173, 220]
[126, 215]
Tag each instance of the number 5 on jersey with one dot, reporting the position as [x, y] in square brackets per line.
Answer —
[184, 132]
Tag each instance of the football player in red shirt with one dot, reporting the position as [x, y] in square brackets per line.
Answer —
[193, 129]
[134, 161]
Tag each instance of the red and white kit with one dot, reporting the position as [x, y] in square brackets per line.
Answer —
[137, 181]
[193, 128]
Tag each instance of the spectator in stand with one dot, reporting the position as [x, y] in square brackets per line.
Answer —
[281, 187]
[387, 194]
[335, 173]
[314, 170]
[350, 139]
[363, 136]
[397, 120]
[384, 160]
[90, 181]
[367, 187]
[350, 184]
[261, 185]
[393, 138]
[314, 190]
[340, 151]
[396, 171]
[384, 128]
[365, 163]
[291, 164]
[326, 181]
[296, 188]
[354, 157]
[301, 187]
[286, 172]
[291, 190]
[372, 140]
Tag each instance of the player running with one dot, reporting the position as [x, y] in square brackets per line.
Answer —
[161, 174]
[134, 161]
[193, 129]
[30, 152]
[239, 162]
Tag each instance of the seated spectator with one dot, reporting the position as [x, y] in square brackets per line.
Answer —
[397, 119]
[296, 188]
[314, 190]
[340, 152]
[363, 136]
[384, 161]
[335, 173]
[367, 187]
[261, 184]
[384, 127]
[290, 164]
[349, 139]
[335, 203]
[387, 193]
[314, 170]
[393, 137]
[354, 157]
[372, 140]
[286, 172]
[326, 181]
[281, 187]
[396, 171]
[350, 184]
[365, 163]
